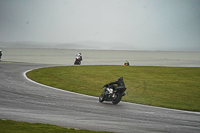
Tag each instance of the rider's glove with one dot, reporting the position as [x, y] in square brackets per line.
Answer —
[106, 85]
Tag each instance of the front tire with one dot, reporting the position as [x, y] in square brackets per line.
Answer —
[101, 98]
[117, 98]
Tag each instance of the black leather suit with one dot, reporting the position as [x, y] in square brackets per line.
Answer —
[118, 82]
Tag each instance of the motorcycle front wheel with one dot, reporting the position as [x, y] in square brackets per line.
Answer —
[101, 98]
[117, 98]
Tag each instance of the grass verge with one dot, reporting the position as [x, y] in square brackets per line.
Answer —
[170, 87]
[8, 126]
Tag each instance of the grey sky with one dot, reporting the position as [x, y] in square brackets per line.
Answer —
[142, 24]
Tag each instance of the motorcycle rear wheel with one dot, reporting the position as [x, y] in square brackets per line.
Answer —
[101, 98]
[117, 98]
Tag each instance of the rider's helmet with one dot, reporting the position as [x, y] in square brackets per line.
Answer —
[80, 53]
[120, 78]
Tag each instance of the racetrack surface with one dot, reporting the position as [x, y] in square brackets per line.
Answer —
[23, 100]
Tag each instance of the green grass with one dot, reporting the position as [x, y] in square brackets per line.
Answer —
[8, 126]
[170, 87]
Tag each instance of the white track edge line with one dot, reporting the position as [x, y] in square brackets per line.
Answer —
[53, 87]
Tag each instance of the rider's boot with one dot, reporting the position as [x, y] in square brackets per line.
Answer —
[124, 93]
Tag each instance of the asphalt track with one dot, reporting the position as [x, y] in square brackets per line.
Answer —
[24, 100]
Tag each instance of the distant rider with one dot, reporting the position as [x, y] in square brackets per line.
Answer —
[126, 63]
[79, 57]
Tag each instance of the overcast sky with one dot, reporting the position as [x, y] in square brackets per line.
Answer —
[142, 24]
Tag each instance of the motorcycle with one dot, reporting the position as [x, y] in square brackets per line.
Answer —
[77, 61]
[112, 95]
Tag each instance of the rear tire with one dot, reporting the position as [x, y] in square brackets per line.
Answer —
[117, 98]
[101, 98]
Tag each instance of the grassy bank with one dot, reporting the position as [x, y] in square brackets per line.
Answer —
[8, 126]
[170, 87]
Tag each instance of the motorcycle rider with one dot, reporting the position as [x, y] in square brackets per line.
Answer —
[119, 82]
[126, 63]
[78, 59]
[79, 56]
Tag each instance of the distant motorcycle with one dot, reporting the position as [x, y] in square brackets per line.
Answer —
[112, 95]
[77, 61]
